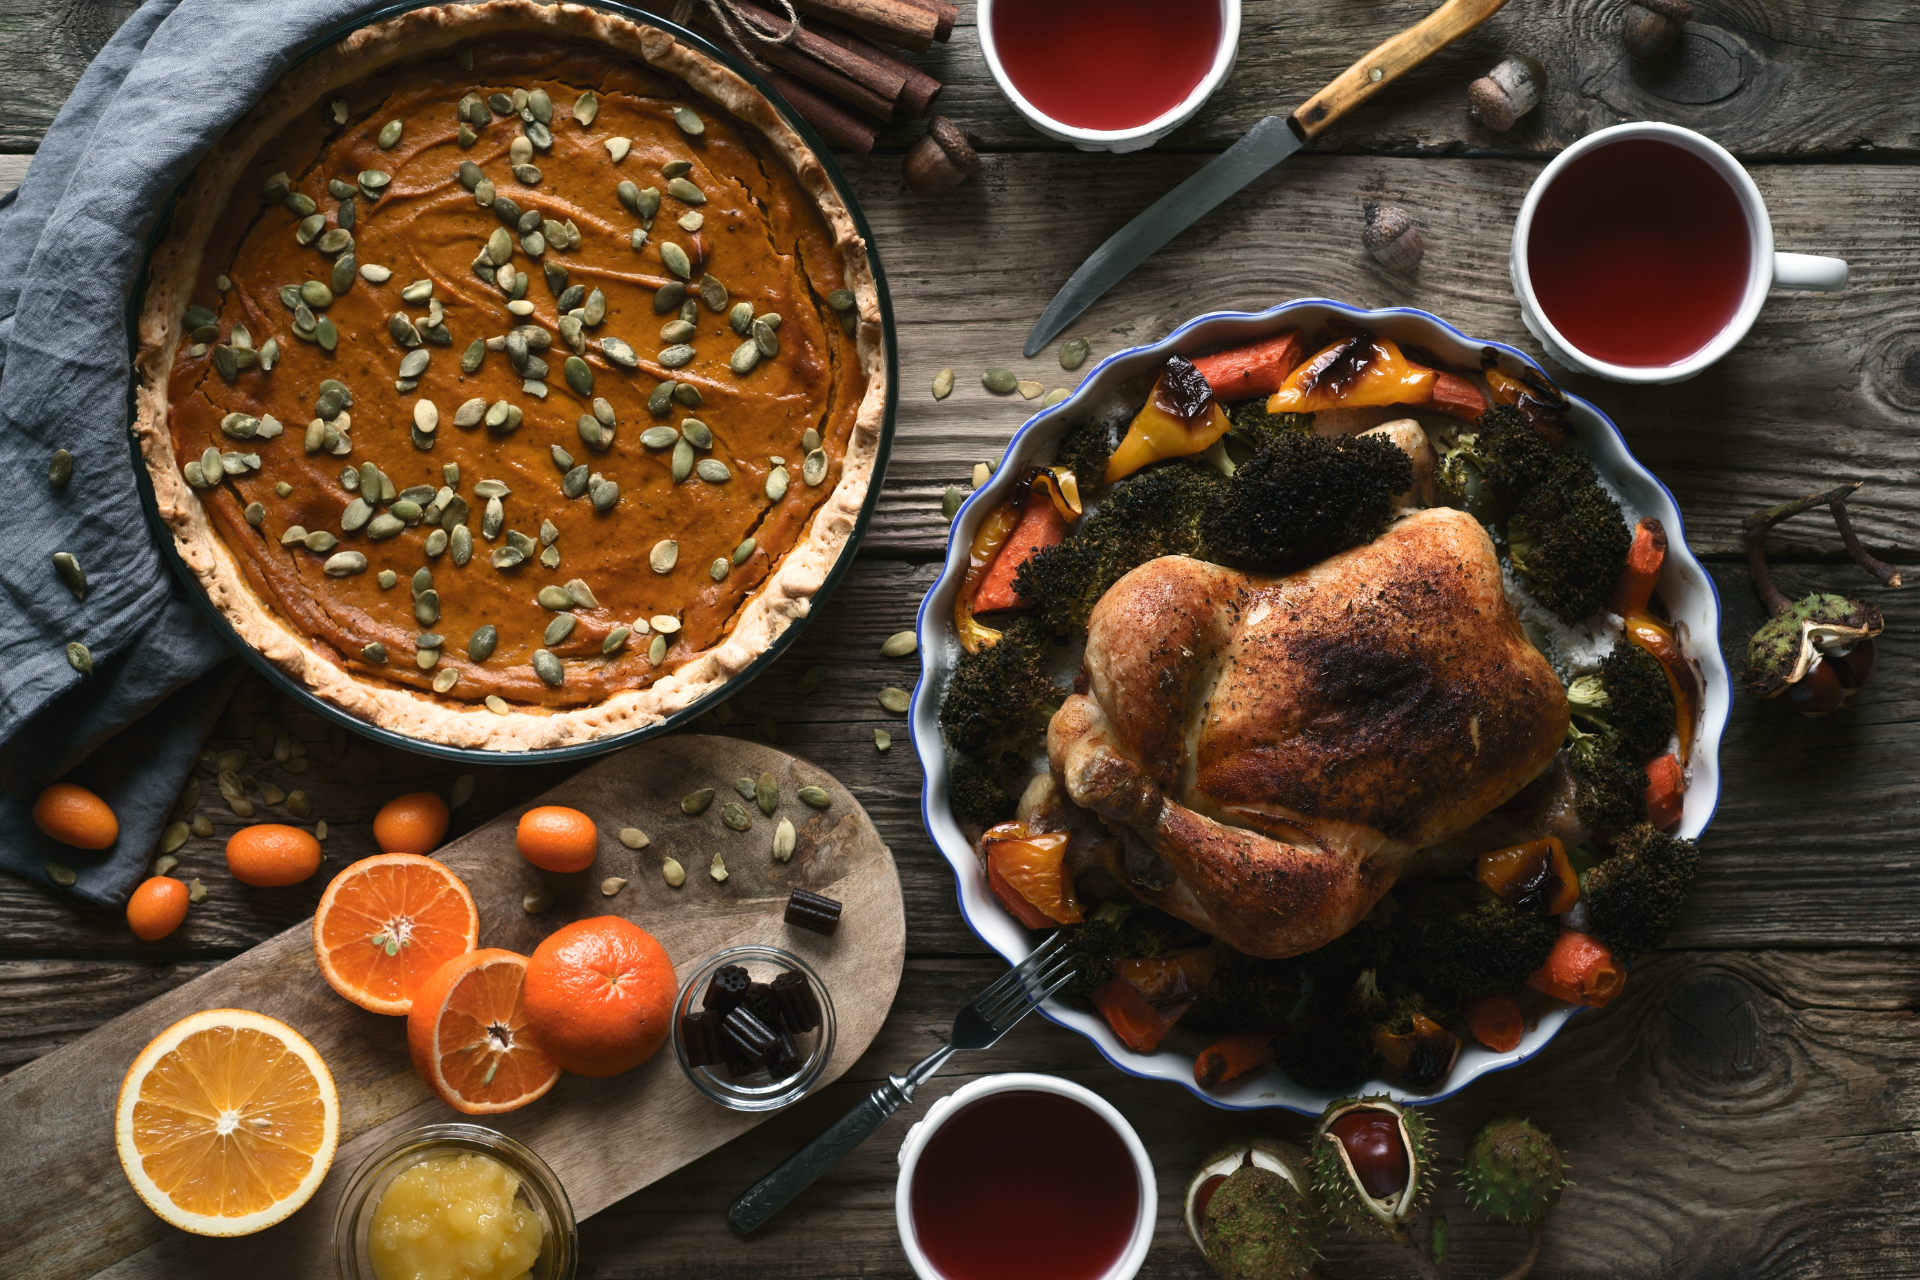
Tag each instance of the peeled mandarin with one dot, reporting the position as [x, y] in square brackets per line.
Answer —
[411, 823]
[75, 816]
[556, 838]
[157, 908]
[270, 855]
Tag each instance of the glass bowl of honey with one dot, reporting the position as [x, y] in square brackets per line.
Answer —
[454, 1194]
[753, 1028]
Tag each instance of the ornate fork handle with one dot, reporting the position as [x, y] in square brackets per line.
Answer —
[801, 1169]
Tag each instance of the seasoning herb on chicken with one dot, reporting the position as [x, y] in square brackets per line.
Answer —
[1633, 898]
[1303, 498]
[1462, 938]
[1156, 512]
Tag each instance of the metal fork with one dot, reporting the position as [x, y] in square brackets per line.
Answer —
[991, 1015]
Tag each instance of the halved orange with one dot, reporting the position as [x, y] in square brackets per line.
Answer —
[386, 923]
[227, 1122]
[469, 1038]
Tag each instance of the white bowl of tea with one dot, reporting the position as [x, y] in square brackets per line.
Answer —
[1109, 75]
[1024, 1177]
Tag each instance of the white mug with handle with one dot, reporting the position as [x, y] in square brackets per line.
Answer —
[1767, 269]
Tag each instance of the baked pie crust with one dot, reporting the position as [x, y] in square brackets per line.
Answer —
[332, 592]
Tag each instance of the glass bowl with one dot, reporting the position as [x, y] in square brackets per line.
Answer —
[559, 1249]
[756, 1091]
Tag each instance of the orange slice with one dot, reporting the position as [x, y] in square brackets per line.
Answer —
[386, 923]
[469, 1037]
[226, 1122]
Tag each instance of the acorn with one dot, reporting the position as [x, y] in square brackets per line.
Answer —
[1253, 1214]
[1499, 98]
[1651, 28]
[1513, 1171]
[1817, 652]
[1372, 1162]
[941, 160]
[1392, 238]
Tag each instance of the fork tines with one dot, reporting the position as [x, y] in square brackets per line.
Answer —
[1050, 967]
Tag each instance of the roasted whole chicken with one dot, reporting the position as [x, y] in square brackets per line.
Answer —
[1274, 752]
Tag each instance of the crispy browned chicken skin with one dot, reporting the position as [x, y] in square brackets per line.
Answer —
[1275, 750]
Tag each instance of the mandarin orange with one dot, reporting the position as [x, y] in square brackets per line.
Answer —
[386, 924]
[269, 855]
[157, 908]
[75, 816]
[411, 823]
[600, 995]
[556, 838]
[468, 1036]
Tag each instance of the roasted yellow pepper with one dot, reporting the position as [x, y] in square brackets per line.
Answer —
[1351, 374]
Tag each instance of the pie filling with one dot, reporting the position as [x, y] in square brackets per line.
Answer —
[525, 367]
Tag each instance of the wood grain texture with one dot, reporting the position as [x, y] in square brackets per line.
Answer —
[44, 47]
[55, 1149]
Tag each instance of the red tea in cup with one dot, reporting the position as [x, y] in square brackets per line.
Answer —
[1106, 64]
[1025, 1185]
[1640, 253]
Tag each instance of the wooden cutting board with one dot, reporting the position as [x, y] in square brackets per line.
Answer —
[66, 1209]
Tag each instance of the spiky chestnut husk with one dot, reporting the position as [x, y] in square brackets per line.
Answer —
[1261, 1226]
[1513, 1171]
[1785, 647]
[1341, 1191]
[1282, 1158]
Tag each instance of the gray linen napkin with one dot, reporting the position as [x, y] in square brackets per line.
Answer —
[72, 242]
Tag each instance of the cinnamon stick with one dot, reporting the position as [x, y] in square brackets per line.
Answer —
[918, 89]
[901, 22]
[797, 64]
[885, 81]
[832, 121]
[944, 14]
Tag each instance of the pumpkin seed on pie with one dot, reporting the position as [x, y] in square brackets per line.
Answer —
[671, 530]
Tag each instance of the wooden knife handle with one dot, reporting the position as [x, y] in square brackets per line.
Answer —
[1386, 63]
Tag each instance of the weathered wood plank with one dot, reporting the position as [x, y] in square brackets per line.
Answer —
[1790, 79]
[1814, 843]
[1734, 1114]
[46, 1003]
[1823, 390]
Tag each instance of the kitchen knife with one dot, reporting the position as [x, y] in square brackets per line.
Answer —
[1265, 145]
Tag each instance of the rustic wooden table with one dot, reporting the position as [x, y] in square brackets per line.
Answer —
[1752, 1106]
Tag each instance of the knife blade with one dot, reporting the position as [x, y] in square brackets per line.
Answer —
[1265, 145]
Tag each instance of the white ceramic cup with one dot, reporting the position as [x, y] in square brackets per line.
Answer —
[1117, 140]
[1767, 269]
[942, 1111]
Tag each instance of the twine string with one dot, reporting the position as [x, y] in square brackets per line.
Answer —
[727, 14]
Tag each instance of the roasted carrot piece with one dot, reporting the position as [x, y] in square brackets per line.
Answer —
[1231, 1056]
[1137, 1023]
[1495, 1021]
[1454, 395]
[1635, 588]
[1581, 970]
[1256, 369]
[1041, 526]
[1666, 791]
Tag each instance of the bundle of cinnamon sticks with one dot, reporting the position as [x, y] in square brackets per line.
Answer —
[837, 71]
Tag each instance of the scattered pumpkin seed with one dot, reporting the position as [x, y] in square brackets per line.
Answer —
[71, 573]
[696, 803]
[943, 384]
[617, 148]
[882, 740]
[950, 501]
[387, 578]
[745, 357]
[555, 598]
[815, 797]
[498, 705]
[1054, 397]
[688, 121]
[743, 552]
[255, 513]
[713, 471]
[999, 381]
[390, 135]
[895, 699]
[202, 825]
[763, 338]
[345, 563]
[548, 668]
[673, 872]
[559, 629]
[698, 433]
[534, 903]
[665, 554]
[766, 793]
[657, 651]
[1074, 352]
[1028, 389]
[579, 375]
[685, 192]
[616, 640]
[619, 353]
[79, 657]
[777, 481]
[735, 817]
[480, 644]
[814, 469]
[745, 787]
[612, 885]
[899, 644]
[675, 356]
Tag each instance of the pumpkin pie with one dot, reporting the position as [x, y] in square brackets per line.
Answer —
[512, 376]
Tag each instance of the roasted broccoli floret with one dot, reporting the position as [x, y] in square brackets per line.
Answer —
[1153, 513]
[1491, 468]
[975, 792]
[1638, 701]
[1634, 897]
[1610, 793]
[1368, 945]
[1084, 450]
[1119, 931]
[1459, 937]
[996, 694]
[1569, 542]
[1253, 426]
[1246, 994]
[1303, 498]
[1330, 1045]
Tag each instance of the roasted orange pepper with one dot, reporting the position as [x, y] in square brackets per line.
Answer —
[1657, 638]
[1137, 1023]
[1181, 417]
[1535, 876]
[1033, 866]
[1353, 373]
[993, 534]
[1170, 979]
[1505, 388]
